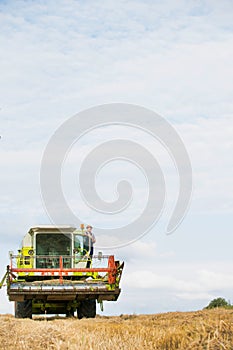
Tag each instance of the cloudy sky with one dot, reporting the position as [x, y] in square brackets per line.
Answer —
[175, 58]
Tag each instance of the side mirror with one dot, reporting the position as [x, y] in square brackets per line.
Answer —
[11, 253]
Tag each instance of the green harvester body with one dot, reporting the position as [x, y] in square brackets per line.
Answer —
[53, 273]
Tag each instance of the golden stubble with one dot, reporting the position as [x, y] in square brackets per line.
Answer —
[207, 329]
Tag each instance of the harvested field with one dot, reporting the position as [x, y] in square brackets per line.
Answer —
[207, 329]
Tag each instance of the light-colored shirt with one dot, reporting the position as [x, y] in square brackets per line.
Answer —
[92, 236]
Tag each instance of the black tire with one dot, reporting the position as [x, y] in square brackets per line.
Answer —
[87, 309]
[23, 309]
[70, 313]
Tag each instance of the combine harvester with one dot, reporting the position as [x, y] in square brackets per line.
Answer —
[53, 273]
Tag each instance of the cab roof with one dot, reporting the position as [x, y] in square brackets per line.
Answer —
[51, 228]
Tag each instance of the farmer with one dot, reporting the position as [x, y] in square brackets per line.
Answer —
[92, 241]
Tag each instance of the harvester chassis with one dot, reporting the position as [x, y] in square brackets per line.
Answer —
[62, 294]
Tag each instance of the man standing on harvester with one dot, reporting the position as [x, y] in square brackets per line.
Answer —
[93, 240]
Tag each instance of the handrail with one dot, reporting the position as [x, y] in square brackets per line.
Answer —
[111, 269]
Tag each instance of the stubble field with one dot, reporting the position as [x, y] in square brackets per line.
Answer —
[208, 329]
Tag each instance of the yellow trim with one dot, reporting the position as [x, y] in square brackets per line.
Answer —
[25, 259]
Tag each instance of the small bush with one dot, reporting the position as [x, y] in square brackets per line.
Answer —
[219, 302]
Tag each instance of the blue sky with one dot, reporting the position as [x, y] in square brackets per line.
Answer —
[175, 58]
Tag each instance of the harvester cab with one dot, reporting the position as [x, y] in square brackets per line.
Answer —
[54, 273]
[42, 248]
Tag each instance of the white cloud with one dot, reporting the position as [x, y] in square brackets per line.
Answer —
[190, 282]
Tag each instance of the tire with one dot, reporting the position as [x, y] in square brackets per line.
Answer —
[70, 313]
[87, 309]
[23, 309]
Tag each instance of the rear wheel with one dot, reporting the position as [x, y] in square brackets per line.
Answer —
[23, 309]
[70, 313]
[87, 309]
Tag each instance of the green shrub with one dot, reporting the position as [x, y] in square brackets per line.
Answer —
[219, 302]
